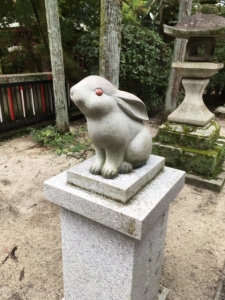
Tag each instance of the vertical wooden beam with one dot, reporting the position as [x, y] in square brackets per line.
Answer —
[110, 40]
[56, 53]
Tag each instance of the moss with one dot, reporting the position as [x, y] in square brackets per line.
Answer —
[199, 163]
[171, 154]
[188, 135]
[197, 150]
[206, 163]
[220, 148]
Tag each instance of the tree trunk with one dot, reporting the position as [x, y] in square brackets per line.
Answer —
[178, 55]
[110, 40]
[56, 53]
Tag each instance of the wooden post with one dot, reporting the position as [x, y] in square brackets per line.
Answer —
[110, 40]
[56, 53]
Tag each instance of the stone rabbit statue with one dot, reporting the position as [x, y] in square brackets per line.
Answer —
[115, 125]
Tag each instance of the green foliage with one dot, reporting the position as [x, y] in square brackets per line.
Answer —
[134, 11]
[217, 82]
[144, 66]
[87, 47]
[30, 38]
[15, 11]
[81, 14]
[25, 38]
[162, 12]
[68, 143]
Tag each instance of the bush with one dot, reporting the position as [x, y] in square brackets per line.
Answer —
[68, 143]
[145, 65]
[144, 62]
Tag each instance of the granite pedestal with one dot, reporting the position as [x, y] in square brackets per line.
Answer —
[113, 250]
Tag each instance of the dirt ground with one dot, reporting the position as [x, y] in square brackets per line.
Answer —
[30, 238]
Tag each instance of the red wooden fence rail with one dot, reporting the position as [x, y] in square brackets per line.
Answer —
[27, 98]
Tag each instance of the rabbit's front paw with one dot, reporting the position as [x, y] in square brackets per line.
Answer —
[109, 172]
[96, 169]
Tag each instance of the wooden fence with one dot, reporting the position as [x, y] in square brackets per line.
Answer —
[28, 98]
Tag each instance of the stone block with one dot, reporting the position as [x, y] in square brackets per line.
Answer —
[103, 264]
[189, 135]
[214, 185]
[206, 163]
[202, 162]
[171, 153]
[134, 218]
[114, 250]
[121, 188]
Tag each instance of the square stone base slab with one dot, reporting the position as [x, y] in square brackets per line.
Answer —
[134, 218]
[121, 188]
[214, 185]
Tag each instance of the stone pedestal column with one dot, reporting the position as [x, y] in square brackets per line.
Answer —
[192, 110]
[114, 250]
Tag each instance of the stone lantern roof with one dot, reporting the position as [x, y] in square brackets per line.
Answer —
[198, 25]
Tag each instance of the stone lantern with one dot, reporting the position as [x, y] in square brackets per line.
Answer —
[190, 138]
[201, 31]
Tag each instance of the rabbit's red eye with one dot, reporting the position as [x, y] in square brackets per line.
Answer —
[98, 92]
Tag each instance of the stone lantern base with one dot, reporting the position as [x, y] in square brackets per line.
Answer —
[197, 150]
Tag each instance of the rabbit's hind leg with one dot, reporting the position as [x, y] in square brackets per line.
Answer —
[139, 149]
[96, 167]
[125, 168]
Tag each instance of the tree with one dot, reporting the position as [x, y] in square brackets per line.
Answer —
[62, 120]
[110, 40]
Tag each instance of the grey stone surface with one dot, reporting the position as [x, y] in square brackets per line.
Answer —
[133, 218]
[103, 264]
[115, 125]
[205, 131]
[113, 250]
[196, 69]
[121, 188]
[199, 25]
[192, 110]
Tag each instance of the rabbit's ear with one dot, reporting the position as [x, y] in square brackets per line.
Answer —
[132, 105]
